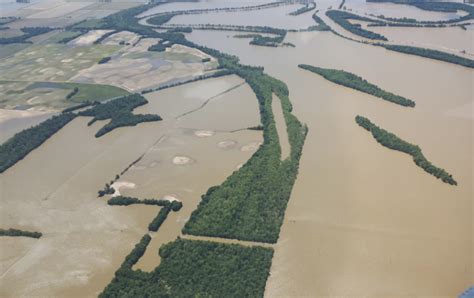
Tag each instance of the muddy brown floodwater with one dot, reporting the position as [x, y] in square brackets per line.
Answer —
[54, 189]
[364, 220]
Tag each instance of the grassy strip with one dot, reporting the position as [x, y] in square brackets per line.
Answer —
[191, 268]
[353, 81]
[432, 54]
[19, 233]
[119, 111]
[342, 17]
[22, 143]
[393, 142]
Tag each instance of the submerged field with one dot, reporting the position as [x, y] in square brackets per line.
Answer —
[282, 193]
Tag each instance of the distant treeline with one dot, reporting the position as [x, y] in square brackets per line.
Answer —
[19, 233]
[391, 141]
[28, 32]
[306, 8]
[448, 7]
[190, 268]
[22, 143]
[342, 19]
[119, 111]
[104, 60]
[353, 81]
[216, 74]
[432, 54]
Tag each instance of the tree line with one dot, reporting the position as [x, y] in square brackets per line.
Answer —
[353, 81]
[306, 8]
[20, 233]
[22, 143]
[393, 142]
[28, 32]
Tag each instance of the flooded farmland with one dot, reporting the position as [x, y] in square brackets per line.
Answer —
[362, 220]
[361, 217]
[63, 204]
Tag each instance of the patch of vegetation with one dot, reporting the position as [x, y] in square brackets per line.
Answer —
[306, 8]
[119, 111]
[66, 36]
[393, 142]
[127, 201]
[353, 81]
[181, 29]
[28, 32]
[19, 233]
[108, 190]
[191, 268]
[342, 4]
[342, 19]
[105, 36]
[104, 60]
[432, 54]
[22, 143]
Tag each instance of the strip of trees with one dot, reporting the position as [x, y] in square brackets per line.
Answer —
[20, 233]
[306, 8]
[353, 81]
[393, 142]
[22, 143]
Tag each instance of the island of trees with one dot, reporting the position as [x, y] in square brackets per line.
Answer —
[342, 19]
[432, 54]
[119, 111]
[22, 143]
[393, 142]
[19, 233]
[351, 80]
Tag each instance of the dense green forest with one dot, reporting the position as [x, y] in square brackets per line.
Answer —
[351, 80]
[306, 8]
[119, 111]
[22, 143]
[19, 233]
[28, 32]
[342, 19]
[191, 268]
[432, 54]
[391, 141]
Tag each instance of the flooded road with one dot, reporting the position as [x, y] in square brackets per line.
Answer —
[364, 220]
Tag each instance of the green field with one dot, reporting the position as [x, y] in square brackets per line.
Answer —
[52, 95]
